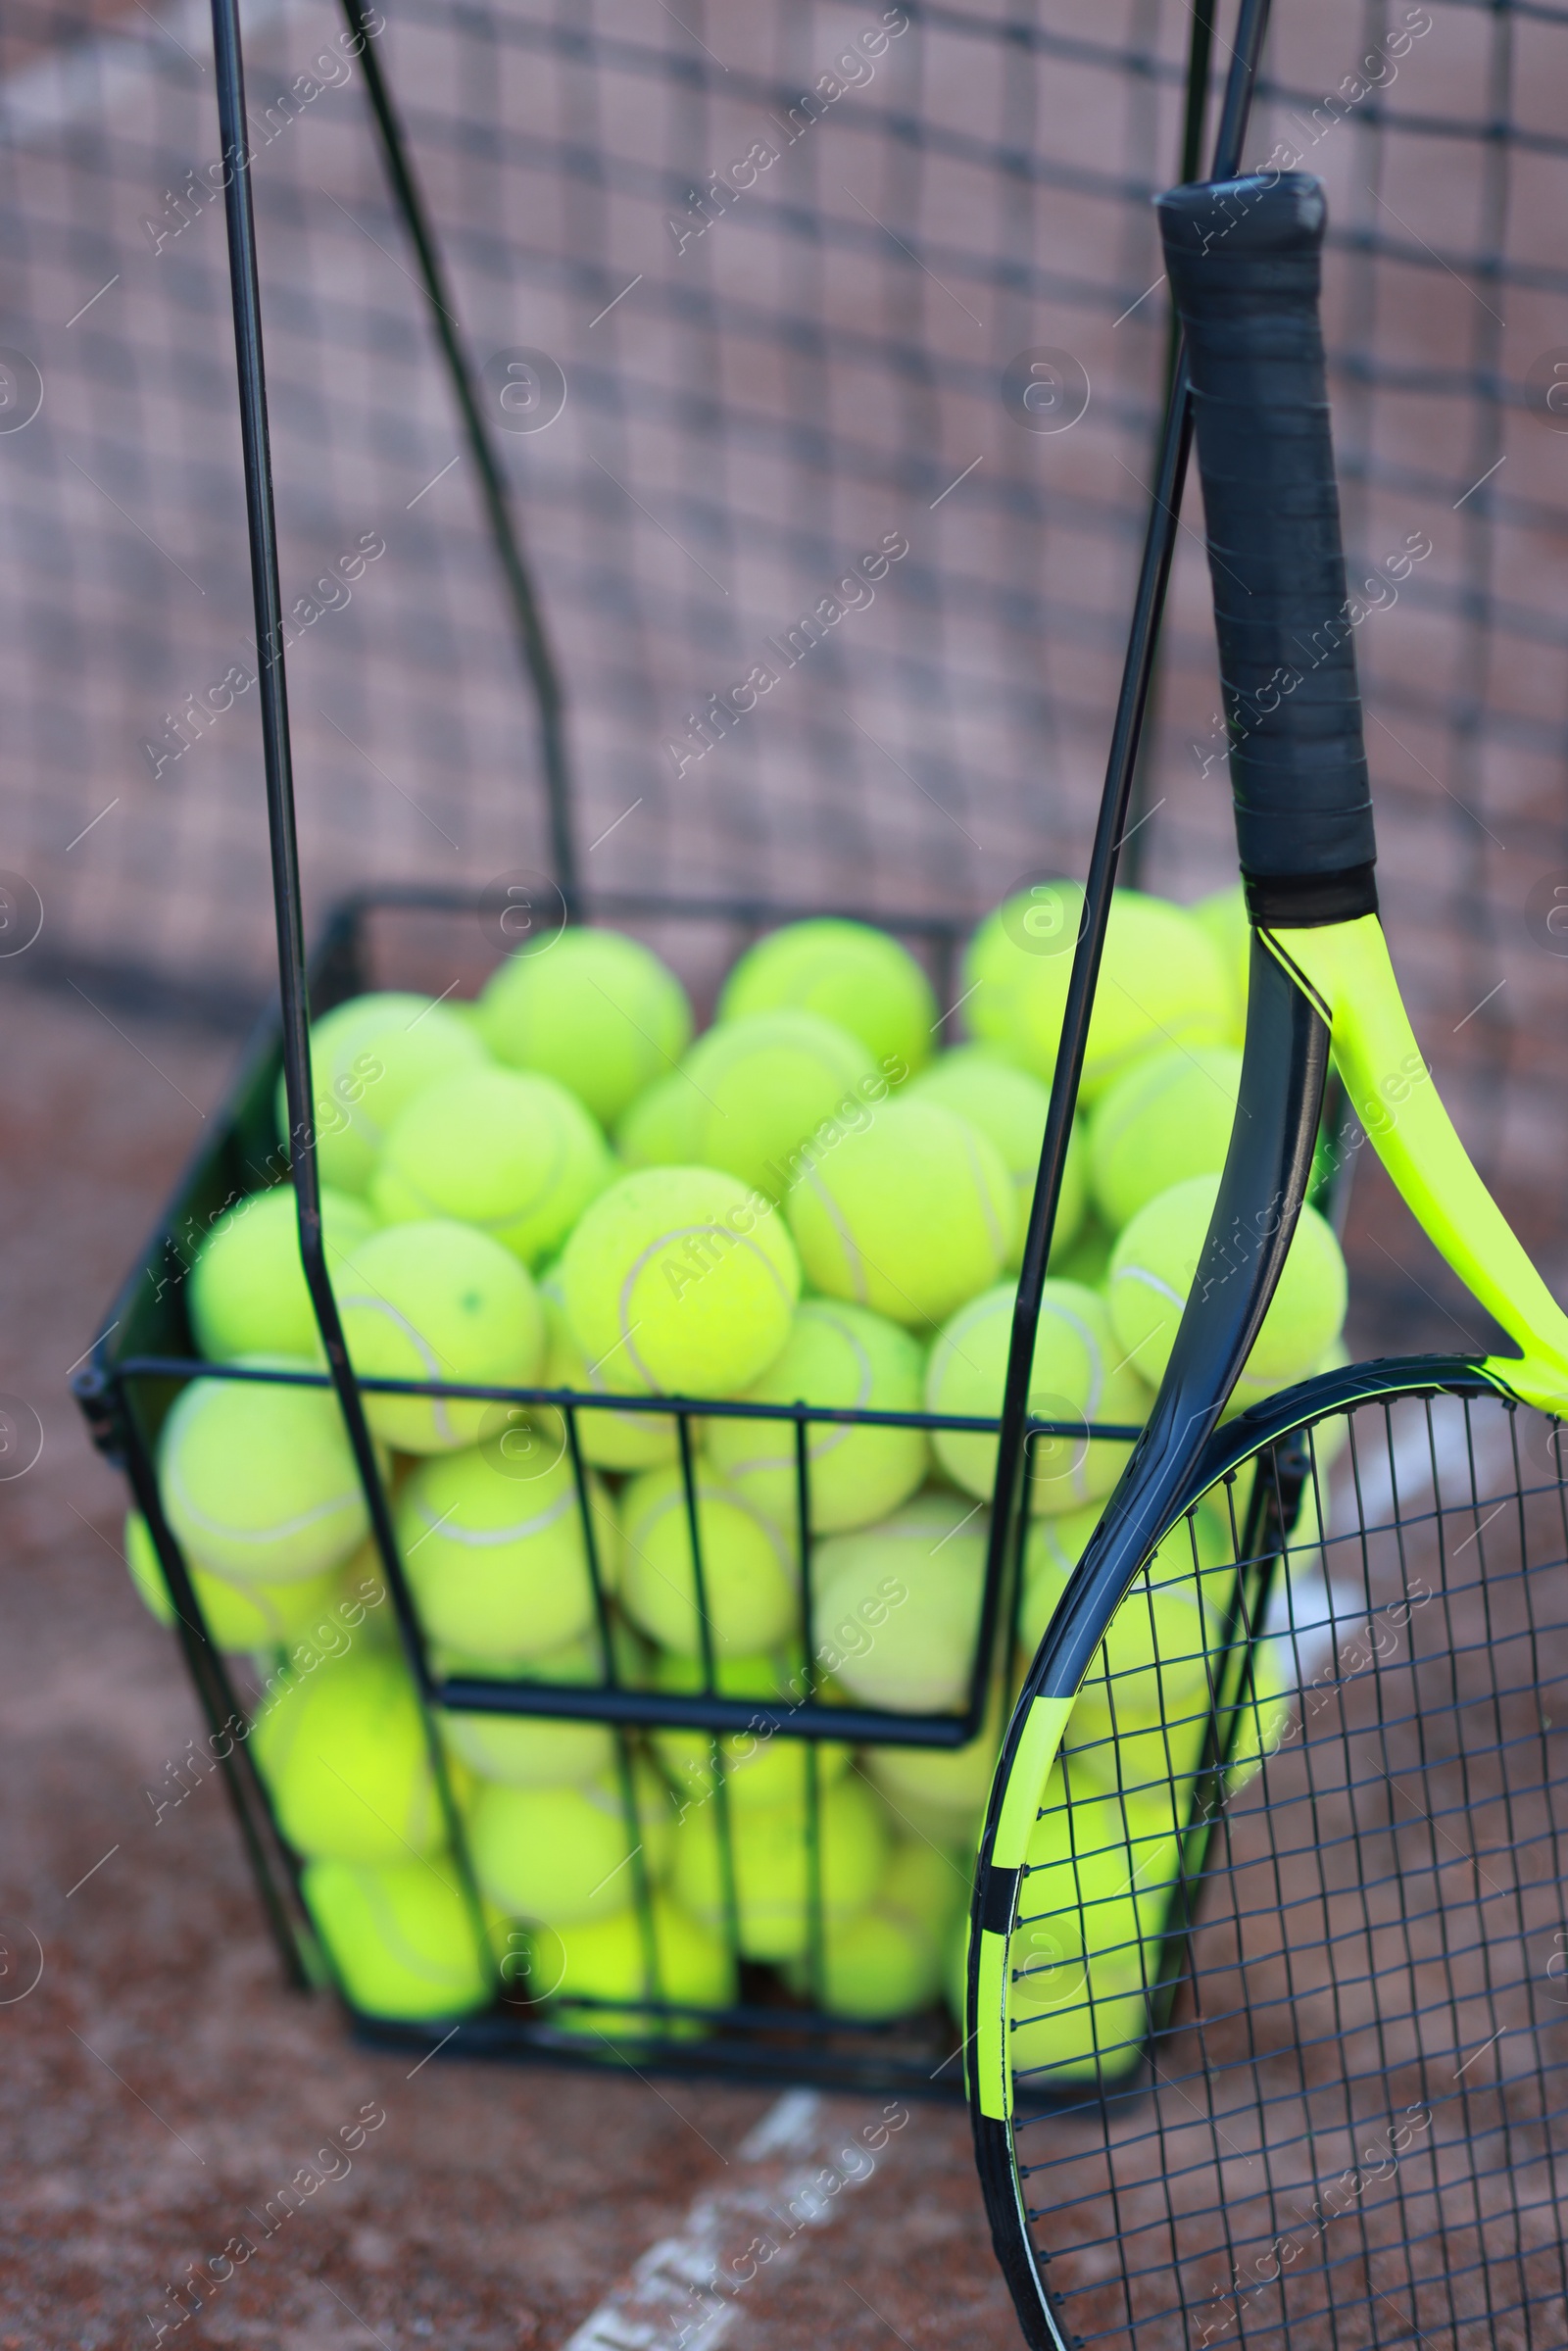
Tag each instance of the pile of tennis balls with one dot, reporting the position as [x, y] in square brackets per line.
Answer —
[557, 1186]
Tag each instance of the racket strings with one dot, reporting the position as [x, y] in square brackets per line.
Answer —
[1304, 2077]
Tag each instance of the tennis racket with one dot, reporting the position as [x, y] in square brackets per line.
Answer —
[1268, 2032]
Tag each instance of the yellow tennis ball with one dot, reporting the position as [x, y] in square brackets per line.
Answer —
[368, 1058]
[663, 1957]
[898, 1608]
[890, 1960]
[257, 1480]
[772, 1869]
[925, 1886]
[1155, 1265]
[1225, 918]
[345, 1756]
[494, 1551]
[1078, 1377]
[909, 1215]
[655, 1130]
[246, 1294]
[840, 1355]
[1161, 981]
[507, 1149]
[1009, 1107]
[846, 971]
[436, 1301]
[400, 1938]
[954, 1780]
[1077, 2021]
[594, 1008]
[680, 1280]
[998, 974]
[1140, 1717]
[1099, 1871]
[1168, 1117]
[609, 1438]
[238, 1616]
[749, 1587]
[773, 1090]
[531, 1750]
[874, 1967]
[565, 1854]
[759, 1766]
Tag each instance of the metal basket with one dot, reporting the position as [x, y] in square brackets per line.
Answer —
[127, 1386]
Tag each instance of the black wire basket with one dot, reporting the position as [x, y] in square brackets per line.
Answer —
[126, 1390]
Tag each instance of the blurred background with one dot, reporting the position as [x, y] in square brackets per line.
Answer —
[783, 259]
[792, 266]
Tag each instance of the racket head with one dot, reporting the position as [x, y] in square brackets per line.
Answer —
[1302, 2079]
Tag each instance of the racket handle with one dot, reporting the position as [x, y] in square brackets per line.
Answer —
[1243, 257]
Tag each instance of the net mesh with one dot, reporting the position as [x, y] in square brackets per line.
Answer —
[1354, 2129]
[793, 267]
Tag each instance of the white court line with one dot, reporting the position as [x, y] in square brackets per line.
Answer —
[671, 2302]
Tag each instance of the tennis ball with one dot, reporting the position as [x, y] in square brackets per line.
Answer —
[1168, 1117]
[1157, 1653]
[773, 1092]
[924, 1885]
[680, 1280]
[257, 1480]
[1161, 981]
[840, 1355]
[1039, 925]
[609, 1440]
[897, 1607]
[246, 1294]
[879, 1965]
[1077, 2022]
[238, 1616]
[1009, 1107]
[748, 1587]
[497, 1560]
[947, 1829]
[593, 1009]
[1154, 1264]
[1088, 1262]
[955, 1781]
[772, 1871]
[345, 1757]
[891, 1959]
[1225, 918]
[663, 1957]
[436, 1301]
[531, 1750]
[370, 1056]
[399, 1936]
[847, 972]
[565, 1854]
[655, 1130]
[1078, 1377]
[506, 1150]
[1101, 1870]
[909, 1215]
[760, 1767]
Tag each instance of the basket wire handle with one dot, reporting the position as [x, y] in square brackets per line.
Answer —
[1006, 1520]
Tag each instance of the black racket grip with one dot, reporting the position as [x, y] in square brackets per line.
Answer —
[1243, 257]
